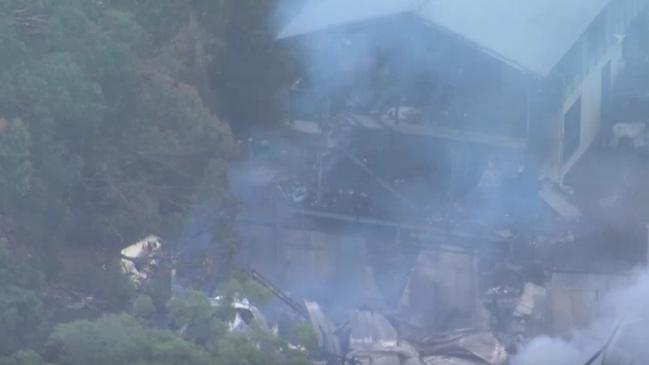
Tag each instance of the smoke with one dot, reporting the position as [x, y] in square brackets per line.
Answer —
[388, 58]
[549, 351]
[623, 319]
[365, 57]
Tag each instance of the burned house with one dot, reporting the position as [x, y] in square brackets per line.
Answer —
[497, 86]
[436, 132]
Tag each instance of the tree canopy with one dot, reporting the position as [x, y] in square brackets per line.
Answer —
[107, 126]
[114, 124]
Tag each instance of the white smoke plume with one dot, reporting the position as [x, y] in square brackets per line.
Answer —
[623, 320]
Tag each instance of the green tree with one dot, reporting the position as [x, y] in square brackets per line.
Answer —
[304, 335]
[108, 132]
[23, 358]
[115, 340]
[253, 68]
[143, 307]
[256, 347]
[15, 160]
[21, 308]
[201, 322]
[121, 140]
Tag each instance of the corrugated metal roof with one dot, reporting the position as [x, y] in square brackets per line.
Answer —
[533, 34]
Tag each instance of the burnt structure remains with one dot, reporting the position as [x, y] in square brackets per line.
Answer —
[426, 167]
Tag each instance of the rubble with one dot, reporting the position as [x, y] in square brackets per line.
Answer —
[373, 340]
[441, 292]
[464, 344]
[446, 360]
[378, 358]
[369, 337]
[496, 318]
[245, 315]
[326, 331]
[140, 259]
[363, 174]
[414, 361]
[532, 301]
[371, 330]
[417, 304]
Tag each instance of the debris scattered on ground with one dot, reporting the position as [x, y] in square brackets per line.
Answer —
[464, 344]
[327, 338]
[140, 259]
[531, 302]
[245, 315]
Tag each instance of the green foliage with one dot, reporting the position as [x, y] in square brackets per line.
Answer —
[111, 139]
[253, 66]
[304, 335]
[194, 314]
[257, 347]
[112, 136]
[13, 48]
[23, 358]
[21, 311]
[237, 349]
[161, 18]
[15, 161]
[106, 283]
[115, 340]
[297, 358]
[143, 307]
[21, 308]
[242, 286]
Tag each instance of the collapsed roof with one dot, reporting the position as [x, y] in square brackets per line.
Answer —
[532, 35]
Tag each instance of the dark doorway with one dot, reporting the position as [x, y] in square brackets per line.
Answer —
[571, 130]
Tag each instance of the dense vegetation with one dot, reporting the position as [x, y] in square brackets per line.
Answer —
[113, 126]
[107, 120]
